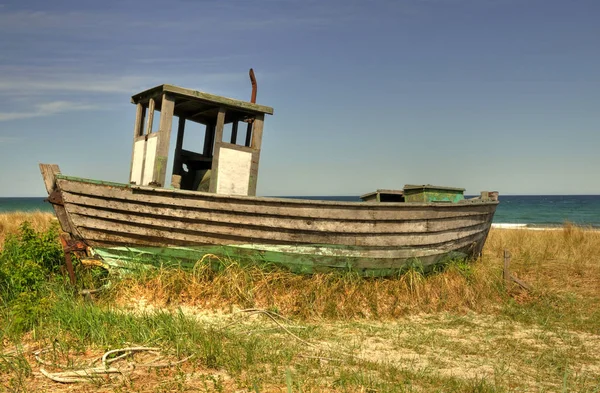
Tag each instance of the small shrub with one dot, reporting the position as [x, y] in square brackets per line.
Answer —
[27, 261]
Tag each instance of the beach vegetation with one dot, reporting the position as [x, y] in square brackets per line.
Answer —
[462, 328]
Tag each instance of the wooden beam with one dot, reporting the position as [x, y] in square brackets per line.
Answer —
[209, 140]
[248, 134]
[164, 137]
[182, 103]
[140, 113]
[178, 147]
[220, 125]
[256, 143]
[234, 129]
[202, 112]
[217, 140]
[49, 172]
[201, 96]
[151, 105]
[257, 131]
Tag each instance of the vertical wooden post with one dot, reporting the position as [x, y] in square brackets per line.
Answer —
[234, 129]
[140, 112]
[138, 130]
[248, 134]
[178, 147]
[151, 105]
[209, 140]
[255, 143]
[506, 269]
[164, 138]
[217, 142]
[257, 132]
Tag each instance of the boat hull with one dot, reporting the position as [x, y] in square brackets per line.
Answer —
[129, 225]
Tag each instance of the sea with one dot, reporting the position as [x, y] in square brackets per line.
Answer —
[513, 211]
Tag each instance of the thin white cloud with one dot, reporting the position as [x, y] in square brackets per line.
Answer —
[45, 109]
[9, 139]
[30, 83]
[66, 83]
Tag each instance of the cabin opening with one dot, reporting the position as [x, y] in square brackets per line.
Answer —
[217, 145]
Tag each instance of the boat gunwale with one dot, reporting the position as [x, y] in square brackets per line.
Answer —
[263, 199]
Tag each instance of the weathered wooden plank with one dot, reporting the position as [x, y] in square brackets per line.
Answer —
[209, 140]
[300, 259]
[248, 139]
[234, 132]
[178, 230]
[164, 138]
[89, 205]
[138, 128]
[178, 147]
[386, 257]
[214, 177]
[107, 232]
[49, 172]
[256, 144]
[151, 105]
[257, 132]
[304, 262]
[278, 206]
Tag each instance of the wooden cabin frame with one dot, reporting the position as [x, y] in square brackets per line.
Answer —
[226, 166]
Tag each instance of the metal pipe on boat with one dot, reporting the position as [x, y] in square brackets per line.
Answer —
[254, 86]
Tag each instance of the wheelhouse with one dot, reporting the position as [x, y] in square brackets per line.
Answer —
[218, 166]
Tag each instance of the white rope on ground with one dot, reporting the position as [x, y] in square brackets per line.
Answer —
[128, 351]
[88, 374]
[84, 375]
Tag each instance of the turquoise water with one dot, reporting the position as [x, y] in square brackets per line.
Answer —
[24, 204]
[534, 210]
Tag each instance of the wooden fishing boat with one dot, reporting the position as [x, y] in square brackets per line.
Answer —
[211, 207]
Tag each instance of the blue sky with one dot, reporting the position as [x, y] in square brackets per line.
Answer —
[481, 94]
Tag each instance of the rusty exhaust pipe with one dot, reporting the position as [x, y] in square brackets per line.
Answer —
[254, 87]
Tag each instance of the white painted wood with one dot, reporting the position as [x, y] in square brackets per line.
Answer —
[151, 145]
[234, 172]
[138, 162]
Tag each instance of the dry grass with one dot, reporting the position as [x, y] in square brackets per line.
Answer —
[10, 222]
[566, 260]
[461, 287]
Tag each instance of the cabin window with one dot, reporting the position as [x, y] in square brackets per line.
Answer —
[194, 161]
[236, 133]
[156, 121]
[194, 136]
[140, 121]
[228, 131]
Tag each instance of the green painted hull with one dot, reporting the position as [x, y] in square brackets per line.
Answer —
[303, 260]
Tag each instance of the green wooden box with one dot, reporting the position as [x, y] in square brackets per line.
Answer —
[428, 193]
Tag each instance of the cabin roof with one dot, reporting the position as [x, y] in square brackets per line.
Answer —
[200, 106]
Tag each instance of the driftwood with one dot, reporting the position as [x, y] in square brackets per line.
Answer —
[509, 278]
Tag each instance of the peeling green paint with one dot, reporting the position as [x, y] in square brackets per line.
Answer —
[298, 259]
